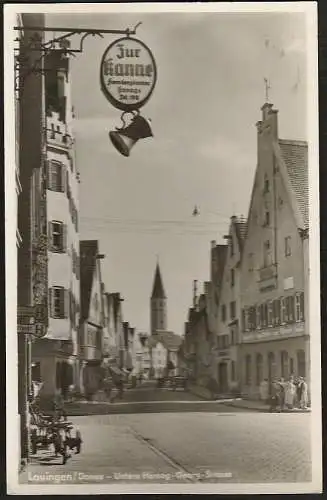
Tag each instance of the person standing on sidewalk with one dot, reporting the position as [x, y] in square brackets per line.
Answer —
[289, 393]
[281, 390]
[274, 398]
[304, 394]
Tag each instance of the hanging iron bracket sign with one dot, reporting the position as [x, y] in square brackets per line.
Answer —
[30, 40]
[128, 74]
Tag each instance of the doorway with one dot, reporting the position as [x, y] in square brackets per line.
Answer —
[223, 378]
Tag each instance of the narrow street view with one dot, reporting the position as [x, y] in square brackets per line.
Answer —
[166, 436]
[163, 247]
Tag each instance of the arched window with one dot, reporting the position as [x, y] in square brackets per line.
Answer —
[259, 369]
[301, 363]
[248, 369]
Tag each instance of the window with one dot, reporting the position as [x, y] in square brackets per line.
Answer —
[288, 250]
[252, 318]
[244, 320]
[258, 318]
[233, 336]
[232, 277]
[270, 313]
[56, 176]
[284, 364]
[276, 312]
[266, 184]
[300, 363]
[289, 306]
[232, 307]
[282, 311]
[59, 302]
[233, 371]
[299, 306]
[264, 315]
[267, 219]
[248, 369]
[266, 254]
[259, 369]
[223, 312]
[57, 236]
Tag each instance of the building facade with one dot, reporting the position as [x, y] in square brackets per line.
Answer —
[274, 263]
[55, 356]
[29, 162]
[229, 311]
[91, 323]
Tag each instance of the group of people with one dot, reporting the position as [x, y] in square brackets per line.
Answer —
[289, 394]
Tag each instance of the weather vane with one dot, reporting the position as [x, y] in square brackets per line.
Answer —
[267, 88]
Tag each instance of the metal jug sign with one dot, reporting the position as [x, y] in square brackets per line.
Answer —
[128, 74]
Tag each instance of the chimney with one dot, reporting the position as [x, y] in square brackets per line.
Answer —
[269, 119]
[195, 287]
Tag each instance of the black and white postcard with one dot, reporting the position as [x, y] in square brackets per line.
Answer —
[162, 248]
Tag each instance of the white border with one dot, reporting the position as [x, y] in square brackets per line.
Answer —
[310, 9]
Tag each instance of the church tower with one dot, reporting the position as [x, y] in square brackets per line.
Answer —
[158, 304]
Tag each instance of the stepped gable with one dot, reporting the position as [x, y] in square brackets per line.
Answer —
[295, 156]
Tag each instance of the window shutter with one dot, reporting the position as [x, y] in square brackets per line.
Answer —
[51, 302]
[48, 172]
[63, 178]
[301, 306]
[50, 235]
[67, 183]
[65, 302]
[64, 237]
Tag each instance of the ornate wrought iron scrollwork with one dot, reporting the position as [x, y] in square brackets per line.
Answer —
[26, 64]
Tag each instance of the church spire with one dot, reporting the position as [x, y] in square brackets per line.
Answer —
[158, 291]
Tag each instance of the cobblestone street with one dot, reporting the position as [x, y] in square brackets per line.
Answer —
[227, 446]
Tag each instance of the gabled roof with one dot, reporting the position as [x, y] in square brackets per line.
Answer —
[88, 253]
[158, 291]
[170, 340]
[295, 156]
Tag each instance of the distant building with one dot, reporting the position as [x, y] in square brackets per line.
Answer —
[164, 346]
[158, 304]
[274, 264]
[91, 320]
[228, 316]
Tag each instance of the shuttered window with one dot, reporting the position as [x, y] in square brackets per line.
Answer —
[59, 302]
[56, 176]
[299, 306]
[57, 236]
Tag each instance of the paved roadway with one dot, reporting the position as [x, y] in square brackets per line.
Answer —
[186, 447]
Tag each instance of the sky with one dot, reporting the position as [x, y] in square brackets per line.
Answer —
[209, 91]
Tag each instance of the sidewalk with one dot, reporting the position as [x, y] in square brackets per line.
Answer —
[259, 406]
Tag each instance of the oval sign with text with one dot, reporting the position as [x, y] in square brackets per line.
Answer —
[128, 74]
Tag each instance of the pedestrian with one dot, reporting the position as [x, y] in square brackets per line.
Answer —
[264, 390]
[304, 394]
[274, 397]
[289, 393]
[281, 389]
